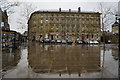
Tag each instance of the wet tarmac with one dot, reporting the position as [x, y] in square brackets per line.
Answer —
[35, 60]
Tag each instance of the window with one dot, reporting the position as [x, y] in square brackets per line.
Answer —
[92, 21]
[82, 21]
[87, 35]
[92, 35]
[82, 17]
[72, 16]
[87, 17]
[34, 21]
[87, 22]
[56, 30]
[72, 29]
[82, 29]
[41, 21]
[67, 16]
[34, 16]
[67, 30]
[46, 21]
[97, 35]
[97, 21]
[92, 17]
[56, 21]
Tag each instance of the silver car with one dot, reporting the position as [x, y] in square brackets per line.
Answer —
[64, 41]
[58, 41]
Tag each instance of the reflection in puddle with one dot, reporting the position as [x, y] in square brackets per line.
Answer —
[53, 61]
[10, 58]
[63, 59]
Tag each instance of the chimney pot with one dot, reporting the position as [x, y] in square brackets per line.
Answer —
[69, 10]
[59, 9]
[79, 9]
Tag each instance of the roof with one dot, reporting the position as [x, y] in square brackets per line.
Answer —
[12, 31]
[64, 11]
[8, 31]
[116, 22]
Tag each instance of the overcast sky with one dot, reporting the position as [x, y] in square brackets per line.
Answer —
[91, 5]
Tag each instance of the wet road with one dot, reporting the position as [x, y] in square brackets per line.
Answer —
[35, 60]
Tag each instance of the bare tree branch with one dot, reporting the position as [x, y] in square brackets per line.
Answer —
[25, 14]
[107, 12]
[6, 5]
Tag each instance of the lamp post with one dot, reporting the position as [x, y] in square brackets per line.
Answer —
[0, 44]
[118, 18]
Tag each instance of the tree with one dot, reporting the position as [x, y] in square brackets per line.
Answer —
[26, 10]
[6, 5]
[106, 18]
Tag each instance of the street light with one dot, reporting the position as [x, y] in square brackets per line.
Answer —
[118, 18]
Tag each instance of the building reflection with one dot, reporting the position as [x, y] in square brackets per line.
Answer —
[10, 58]
[60, 59]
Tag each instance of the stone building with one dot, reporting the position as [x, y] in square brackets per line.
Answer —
[68, 25]
[5, 20]
[115, 28]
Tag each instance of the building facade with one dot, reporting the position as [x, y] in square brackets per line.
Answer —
[115, 28]
[67, 25]
[5, 20]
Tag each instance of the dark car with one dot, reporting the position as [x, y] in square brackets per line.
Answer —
[85, 42]
[69, 41]
[52, 41]
[79, 42]
[47, 40]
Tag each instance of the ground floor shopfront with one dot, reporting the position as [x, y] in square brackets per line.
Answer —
[64, 36]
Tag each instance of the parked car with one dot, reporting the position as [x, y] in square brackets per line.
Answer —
[69, 41]
[84, 42]
[41, 41]
[79, 42]
[58, 41]
[47, 40]
[95, 42]
[52, 41]
[64, 41]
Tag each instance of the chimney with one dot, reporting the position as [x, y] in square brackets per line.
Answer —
[59, 9]
[79, 9]
[69, 10]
